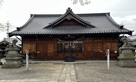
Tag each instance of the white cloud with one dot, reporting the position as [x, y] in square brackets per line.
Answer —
[127, 21]
[17, 12]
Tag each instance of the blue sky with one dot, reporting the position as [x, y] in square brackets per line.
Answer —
[17, 12]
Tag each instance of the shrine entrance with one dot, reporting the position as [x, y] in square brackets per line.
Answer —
[69, 46]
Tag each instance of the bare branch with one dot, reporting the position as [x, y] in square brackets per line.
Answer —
[75, 1]
[82, 2]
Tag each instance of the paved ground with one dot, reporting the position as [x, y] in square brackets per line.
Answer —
[40, 72]
[89, 71]
[97, 72]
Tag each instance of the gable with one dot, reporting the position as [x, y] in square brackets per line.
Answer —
[70, 22]
[70, 19]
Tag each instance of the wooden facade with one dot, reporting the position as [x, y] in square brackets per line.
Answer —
[91, 48]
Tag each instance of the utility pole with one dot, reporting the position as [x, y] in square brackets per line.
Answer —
[7, 25]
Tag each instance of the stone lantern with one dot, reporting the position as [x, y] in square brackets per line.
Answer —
[126, 55]
[13, 59]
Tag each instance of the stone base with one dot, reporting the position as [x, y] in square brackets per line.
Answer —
[12, 64]
[126, 57]
[130, 63]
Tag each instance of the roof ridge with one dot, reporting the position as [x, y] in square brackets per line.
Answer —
[45, 14]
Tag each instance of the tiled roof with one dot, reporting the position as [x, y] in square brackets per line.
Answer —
[102, 21]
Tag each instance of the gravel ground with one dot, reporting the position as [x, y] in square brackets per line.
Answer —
[48, 71]
[97, 72]
[85, 72]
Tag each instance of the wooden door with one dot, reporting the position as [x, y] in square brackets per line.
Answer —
[98, 50]
[88, 50]
[41, 50]
[51, 50]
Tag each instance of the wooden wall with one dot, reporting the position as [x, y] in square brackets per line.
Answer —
[93, 48]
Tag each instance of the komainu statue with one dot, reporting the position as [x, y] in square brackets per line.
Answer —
[126, 43]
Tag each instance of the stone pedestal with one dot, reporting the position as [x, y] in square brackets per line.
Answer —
[0, 63]
[127, 57]
[1, 56]
[13, 60]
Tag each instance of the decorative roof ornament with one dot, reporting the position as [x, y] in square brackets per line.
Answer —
[69, 10]
[82, 2]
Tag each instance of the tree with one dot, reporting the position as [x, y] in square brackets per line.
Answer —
[82, 2]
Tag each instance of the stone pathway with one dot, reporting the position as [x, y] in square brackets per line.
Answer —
[68, 73]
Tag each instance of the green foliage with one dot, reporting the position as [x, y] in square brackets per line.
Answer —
[1, 25]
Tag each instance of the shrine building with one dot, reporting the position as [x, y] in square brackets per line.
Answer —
[83, 36]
